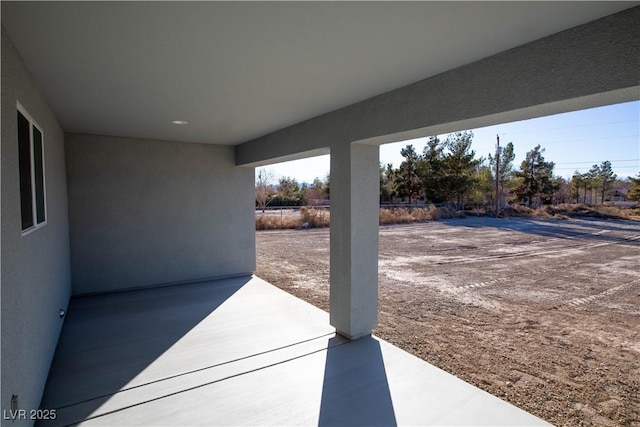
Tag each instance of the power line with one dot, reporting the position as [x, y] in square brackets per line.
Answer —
[596, 161]
[570, 127]
[616, 167]
[600, 139]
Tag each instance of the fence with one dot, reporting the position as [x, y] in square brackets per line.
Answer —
[282, 217]
[288, 217]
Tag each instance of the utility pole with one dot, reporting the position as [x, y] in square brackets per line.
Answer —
[498, 152]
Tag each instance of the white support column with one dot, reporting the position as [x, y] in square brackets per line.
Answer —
[355, 189]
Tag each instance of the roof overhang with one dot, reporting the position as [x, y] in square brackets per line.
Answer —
[238, 70]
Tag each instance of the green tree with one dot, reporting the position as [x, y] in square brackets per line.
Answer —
[288, 187]
[459, 165]
[316, 193]
[387, 175]
[264, 188]
[634, 190]
[606, 178]
[577, 182]
[289, 191]
[535, 178]
[506, 162]
[587, 180]
[302, 192]
[483, 190]
[562, 190]
[431, 171]
[407, 181]
[593, 182]
[505, 168]
[327, 185]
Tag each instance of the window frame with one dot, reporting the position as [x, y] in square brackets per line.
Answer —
[38, 189]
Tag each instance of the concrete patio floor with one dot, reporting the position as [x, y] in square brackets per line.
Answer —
[242, 352]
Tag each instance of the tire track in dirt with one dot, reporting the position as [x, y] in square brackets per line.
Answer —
[517, 338]
[464, 288]
[466, 294]
[577, 302]
[537, 252]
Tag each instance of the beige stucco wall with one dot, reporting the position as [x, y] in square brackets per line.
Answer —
[36, 279]
[146, 213]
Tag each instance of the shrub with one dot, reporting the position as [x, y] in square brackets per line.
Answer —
[567, 210]
[431, 213]
[314, 217]
[394, 216]
[277, 222]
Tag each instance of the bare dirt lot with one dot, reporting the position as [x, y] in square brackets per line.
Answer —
[542, 313]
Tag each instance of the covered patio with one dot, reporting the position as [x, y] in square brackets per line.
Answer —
[130, 136]
[240, 351]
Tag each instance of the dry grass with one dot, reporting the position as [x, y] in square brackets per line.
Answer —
[567, 210]
[402, 215]
[525, 212]
[277, 222]
[316, 218]
[305, 218]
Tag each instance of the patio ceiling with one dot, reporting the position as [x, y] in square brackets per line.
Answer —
[239, 70]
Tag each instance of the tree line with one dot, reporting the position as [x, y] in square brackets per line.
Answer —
[288, 192]
[448, 171]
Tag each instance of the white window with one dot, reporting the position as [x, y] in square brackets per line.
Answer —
[33, 207]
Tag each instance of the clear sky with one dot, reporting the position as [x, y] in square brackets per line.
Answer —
[574, 141]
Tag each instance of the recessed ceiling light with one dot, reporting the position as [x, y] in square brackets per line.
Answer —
[179, 122]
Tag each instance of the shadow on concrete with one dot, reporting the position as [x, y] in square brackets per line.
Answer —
[355, 391]
[107, 340]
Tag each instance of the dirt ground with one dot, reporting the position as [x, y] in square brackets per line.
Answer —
[544, 314]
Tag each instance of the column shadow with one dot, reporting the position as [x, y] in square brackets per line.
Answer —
[355, 391]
